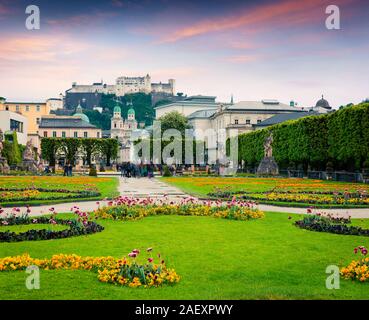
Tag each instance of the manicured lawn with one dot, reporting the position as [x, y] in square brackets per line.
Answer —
[216, 259]
[107, 187]
[202, 186]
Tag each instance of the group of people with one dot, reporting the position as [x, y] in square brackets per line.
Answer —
[129, 170]
[68, 170]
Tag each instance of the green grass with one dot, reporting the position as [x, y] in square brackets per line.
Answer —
[216, 259]
[108, 187]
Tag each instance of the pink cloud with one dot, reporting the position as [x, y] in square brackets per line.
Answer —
[243, 58]
[285, 13]
[81, 20]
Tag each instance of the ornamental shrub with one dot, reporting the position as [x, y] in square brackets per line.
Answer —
[92, 172]
[166, 172]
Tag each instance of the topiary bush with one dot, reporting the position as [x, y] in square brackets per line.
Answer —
[166, 172]
[92, 172]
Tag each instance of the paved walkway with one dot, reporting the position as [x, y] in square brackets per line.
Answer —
[154, 188]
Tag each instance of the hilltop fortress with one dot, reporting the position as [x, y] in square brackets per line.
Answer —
[91, 94]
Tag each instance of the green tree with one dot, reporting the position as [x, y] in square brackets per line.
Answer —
[174, 120]
[109, 148]
[12, 150]
[70, 148]
[90, 147]
[49, 149]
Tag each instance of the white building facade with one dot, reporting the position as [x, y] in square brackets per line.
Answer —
[121, 129]
[12, 121]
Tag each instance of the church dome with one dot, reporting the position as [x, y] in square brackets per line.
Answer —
[131, 111]
[117, 109]
[79, 113]
[323, 103]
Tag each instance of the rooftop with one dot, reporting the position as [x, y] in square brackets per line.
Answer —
[281, 117]
[263, 105]
[64, 122]
[202, 114]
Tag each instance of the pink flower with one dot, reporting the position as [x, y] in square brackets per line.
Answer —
[150, 260]
[132, 254]
[136, 251]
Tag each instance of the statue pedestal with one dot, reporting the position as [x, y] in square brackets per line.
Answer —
[29, 165]
[4, 167]
[268, 166]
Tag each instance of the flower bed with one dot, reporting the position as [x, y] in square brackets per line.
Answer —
[74, 227]
[124, 208]
[124, 271]
[26, 194]
[329, 223]
[357, 270]
[298, 196]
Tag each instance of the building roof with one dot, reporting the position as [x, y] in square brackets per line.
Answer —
[131, 111]
[117, 109]
[323, 103]
[199, 100]
[202, 114]
[65, 122]
[263, 105]
[281, 117]
[79, 113]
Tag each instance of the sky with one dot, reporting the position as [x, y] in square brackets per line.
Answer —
[252, 49]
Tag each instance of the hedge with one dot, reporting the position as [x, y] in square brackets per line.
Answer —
[340, 137]
[71, 147]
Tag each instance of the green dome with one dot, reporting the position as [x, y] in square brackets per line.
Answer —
[79, 113]
[131, 111]
[117, 109]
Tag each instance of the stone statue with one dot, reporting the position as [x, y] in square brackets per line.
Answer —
[1, 142]
[28, 153]
[268, 166]
[268, 149]
[29, 163]
[4, 167]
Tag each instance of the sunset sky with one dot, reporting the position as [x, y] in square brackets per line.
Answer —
[252, 49]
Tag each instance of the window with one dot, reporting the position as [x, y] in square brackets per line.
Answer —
[38, 108]
[16, 125]
[7, 108]
[248, 121]
[38, 121]
[54, 134]
[27, 108]
[85, 134]
[236, 121]
[63, 134]
[45, 134]
[17, 108]
[98, 134]
[259, 121]
[75, 134]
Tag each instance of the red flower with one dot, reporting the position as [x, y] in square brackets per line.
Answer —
[150, 260]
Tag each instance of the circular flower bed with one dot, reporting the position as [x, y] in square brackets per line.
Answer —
[74, 227]
[124, 271]
[329, 223]
[124, 208]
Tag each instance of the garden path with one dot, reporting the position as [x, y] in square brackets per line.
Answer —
[154, 188]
